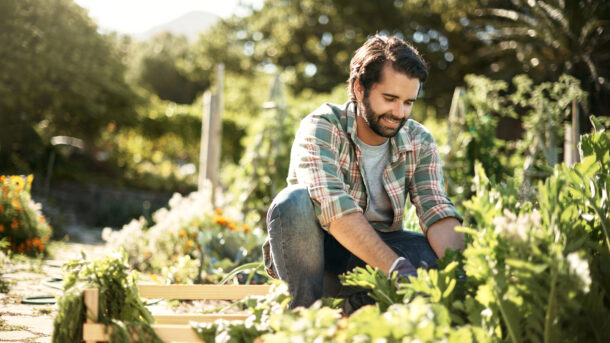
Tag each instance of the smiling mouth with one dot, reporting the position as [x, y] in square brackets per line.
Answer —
[392, 122]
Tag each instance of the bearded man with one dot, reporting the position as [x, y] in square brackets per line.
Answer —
[351, 169]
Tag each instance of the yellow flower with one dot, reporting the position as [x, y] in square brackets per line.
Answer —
[231, 227]
[221, 220]
[2, 178]
[30, 179]
[16, 204]
[17, 180]
[182, 233]
[218, 212]
[246, 228]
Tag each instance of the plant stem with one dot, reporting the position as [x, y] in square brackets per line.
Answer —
[511, 330]
[549, 312]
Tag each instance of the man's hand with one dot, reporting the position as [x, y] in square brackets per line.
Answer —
[442, 235]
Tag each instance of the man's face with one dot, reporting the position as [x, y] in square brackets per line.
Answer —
[388, 127]
[384, 109]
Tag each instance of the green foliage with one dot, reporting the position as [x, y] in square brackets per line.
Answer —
[543, 39]
[383, 289]
[151, 155]
[4, 285]
[59, 76]
[545, 107]
[22, 224]
[158, 66]
[476, 136]
[261, 307]
[119, 304]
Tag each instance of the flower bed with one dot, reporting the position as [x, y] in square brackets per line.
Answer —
[189, 241]
[22, 224]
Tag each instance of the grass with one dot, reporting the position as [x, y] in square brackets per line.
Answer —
[6, 327]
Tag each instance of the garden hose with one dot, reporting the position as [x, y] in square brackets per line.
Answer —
[51, 300]
[41, 300]
[45, 299]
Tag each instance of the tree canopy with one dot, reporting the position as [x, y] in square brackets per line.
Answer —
[313, 40]
[58, 75]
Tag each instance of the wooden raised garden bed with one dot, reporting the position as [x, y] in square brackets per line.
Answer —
[173, 327]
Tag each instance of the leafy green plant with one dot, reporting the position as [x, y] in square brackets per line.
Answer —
[120, 306]
[545, 106]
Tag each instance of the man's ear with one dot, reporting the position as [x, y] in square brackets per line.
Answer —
[358, 90]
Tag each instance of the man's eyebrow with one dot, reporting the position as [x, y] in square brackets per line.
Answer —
[389, 95]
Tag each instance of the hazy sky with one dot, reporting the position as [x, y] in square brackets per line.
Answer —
[135, 16]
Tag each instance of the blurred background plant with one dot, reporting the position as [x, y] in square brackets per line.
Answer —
[190, 241]
[22, 224]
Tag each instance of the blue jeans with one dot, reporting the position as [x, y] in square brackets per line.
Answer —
[310, 260]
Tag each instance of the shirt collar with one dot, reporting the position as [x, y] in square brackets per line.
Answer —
[400, 143]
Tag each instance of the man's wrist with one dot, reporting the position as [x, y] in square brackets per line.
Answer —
[394, 264]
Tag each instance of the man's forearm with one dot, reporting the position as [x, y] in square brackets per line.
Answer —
[355, 233]
[442, 235]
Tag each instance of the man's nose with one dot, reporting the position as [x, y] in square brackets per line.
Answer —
[399, 110]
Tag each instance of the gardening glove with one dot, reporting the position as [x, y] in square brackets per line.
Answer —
[403, 267]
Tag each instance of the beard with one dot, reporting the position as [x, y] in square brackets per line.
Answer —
[373, 119]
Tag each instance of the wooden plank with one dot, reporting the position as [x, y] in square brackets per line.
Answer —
[186, 318]
[91, 300]
[197, 292]
[167, 333]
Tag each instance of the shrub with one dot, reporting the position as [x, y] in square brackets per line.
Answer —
[22, 224]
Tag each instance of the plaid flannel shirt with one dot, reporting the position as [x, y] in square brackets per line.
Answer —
[326, 158]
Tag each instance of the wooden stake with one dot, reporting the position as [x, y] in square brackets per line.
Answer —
[91, 300]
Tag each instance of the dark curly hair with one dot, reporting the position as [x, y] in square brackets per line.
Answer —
[369, 59]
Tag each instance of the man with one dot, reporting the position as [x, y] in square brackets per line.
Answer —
[351, 169]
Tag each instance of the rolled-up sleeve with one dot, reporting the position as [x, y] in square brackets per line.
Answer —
[315, 160]
[427, 187]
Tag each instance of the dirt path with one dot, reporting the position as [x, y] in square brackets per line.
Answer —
[23, 322]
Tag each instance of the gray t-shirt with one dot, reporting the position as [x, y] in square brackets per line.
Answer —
[374, 160]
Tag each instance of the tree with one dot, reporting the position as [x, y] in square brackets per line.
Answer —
[58, 76]
[161, 66]
[546, 38]
[313, 41]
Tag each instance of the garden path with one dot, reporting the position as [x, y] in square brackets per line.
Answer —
[29, 323]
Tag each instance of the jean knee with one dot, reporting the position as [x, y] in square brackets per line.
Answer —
[292, 220]
[293, 201]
